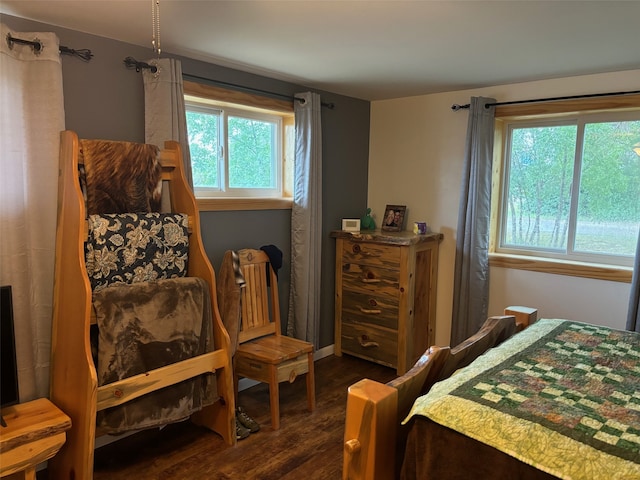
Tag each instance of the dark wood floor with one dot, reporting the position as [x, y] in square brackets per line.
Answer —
[308, 445]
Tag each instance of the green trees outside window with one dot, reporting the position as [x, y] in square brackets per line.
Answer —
[234, 152]
[572, 188]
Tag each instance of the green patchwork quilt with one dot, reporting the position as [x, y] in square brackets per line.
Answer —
[562, 396]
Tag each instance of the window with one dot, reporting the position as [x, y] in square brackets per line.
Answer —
[571, 187]
[238, 150]
[234, 152]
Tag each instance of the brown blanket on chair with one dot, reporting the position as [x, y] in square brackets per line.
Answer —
[148, 325]
[121, 177]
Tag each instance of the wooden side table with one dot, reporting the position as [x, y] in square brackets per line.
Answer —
[34, 433]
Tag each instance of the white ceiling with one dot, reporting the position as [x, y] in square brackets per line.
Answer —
[372, 49]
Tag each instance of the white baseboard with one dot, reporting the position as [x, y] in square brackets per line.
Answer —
[323, 352]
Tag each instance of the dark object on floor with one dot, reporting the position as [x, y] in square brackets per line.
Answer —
[246, 420]
[241, 431]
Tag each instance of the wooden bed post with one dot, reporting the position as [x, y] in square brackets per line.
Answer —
[371, 412]
[525, 316]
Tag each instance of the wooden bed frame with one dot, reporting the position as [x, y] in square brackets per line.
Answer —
[74, 385]
[374, 437]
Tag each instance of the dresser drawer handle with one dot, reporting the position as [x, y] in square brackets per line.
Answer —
[370, 280]
[366, 343]
[373, 311]
[357, 249]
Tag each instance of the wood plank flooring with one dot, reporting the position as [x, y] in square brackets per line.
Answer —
[308, 446]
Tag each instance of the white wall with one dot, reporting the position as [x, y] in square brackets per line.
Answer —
[415, 159]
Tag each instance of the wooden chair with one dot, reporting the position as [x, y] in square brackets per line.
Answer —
[374, 437]
[493, 332]
[263, 353]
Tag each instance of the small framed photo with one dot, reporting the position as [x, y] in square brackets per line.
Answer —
[393, 218]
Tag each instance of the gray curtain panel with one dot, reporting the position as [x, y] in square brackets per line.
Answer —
[306, 221]
[471, 275]
[633, 316]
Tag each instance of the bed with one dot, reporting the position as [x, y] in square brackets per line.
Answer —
[450, 434]
[374, 438]
[561, 399]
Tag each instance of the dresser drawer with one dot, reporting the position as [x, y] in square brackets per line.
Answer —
[370, 342]
[370, 308]
[286, 371]
[387, 256]
[367, 278]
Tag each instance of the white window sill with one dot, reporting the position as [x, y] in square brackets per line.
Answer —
[222, 204]
[562, 267]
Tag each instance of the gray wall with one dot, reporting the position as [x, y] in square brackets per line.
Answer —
[104, 99]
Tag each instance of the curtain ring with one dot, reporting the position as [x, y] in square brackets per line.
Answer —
[155, 69]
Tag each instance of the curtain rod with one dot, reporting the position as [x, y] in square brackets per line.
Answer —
[234, 86]
[455, 107]
[131, 62]
[37, 46]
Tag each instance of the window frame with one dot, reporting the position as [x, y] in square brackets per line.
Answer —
[224, 189]
[223, 98]
[559, 111]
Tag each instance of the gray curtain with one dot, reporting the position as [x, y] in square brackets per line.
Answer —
[471, 275]
[306, 221]
[633, 316]
[164, 111]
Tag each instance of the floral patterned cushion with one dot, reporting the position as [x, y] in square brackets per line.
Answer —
[136, 247]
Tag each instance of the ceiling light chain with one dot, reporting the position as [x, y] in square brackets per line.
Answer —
[155, 26]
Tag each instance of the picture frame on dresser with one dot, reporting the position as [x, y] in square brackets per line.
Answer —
[393, 218]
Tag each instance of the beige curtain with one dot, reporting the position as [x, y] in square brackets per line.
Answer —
[31, 118]
[165, 117]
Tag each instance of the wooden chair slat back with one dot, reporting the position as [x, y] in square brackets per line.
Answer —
[493, 332]
[260, 308]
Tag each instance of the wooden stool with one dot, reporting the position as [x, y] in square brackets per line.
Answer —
[34, 433]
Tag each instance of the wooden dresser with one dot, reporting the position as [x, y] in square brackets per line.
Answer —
[385, 295]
